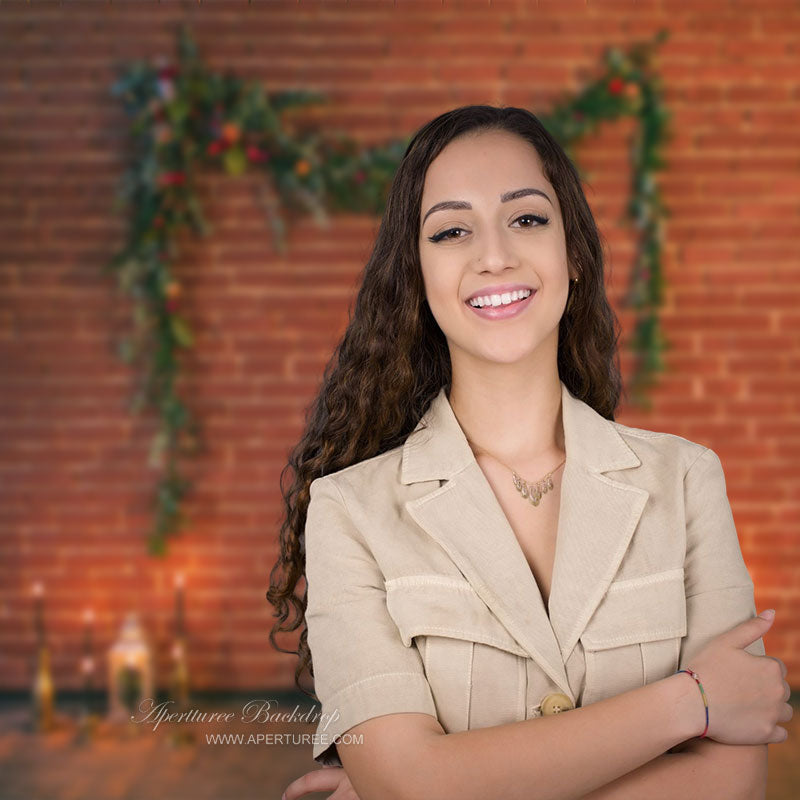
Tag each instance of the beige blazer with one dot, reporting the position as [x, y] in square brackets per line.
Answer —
[420, 597]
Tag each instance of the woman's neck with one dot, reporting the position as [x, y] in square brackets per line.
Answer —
[520, 424]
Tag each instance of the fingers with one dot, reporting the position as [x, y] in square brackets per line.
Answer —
[750, 630]
[778, 735]
[344, 792]
[780, 664]
[319, 780]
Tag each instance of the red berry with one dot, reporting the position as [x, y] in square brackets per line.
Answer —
[616, 85]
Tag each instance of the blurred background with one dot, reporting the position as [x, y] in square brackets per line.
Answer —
[189, 191]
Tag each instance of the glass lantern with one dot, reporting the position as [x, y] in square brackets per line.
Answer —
[130, 671]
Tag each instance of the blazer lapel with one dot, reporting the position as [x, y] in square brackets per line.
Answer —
[597, 518]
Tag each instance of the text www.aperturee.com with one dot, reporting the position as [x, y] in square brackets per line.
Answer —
[282, 738]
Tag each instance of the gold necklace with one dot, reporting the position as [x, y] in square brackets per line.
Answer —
[530, 491]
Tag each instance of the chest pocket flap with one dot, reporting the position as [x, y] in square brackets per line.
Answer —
[437, 605]
[634, 636]
[638, 610]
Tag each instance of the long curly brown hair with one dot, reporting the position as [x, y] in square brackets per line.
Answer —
[393, 358]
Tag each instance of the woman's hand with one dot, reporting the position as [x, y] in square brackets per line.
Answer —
[747, 694]
[327, 779]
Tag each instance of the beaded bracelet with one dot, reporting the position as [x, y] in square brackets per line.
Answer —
[691, 673]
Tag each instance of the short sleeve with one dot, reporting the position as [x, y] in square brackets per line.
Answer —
[362, 669]
[719, 589]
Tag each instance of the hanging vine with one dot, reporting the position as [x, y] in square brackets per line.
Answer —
[187, 119]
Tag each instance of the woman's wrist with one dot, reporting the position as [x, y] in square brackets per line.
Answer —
[689, 712]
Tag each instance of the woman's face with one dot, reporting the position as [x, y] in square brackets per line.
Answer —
[491, 246]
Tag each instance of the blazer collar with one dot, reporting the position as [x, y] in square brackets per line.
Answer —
[597, 517]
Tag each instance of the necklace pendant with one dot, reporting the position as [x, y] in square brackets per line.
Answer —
[533, 491]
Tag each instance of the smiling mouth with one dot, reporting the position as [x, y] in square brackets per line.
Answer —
[499, 300]
[504, 311]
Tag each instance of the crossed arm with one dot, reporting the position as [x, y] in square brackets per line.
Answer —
[700, 769]
[694, 769]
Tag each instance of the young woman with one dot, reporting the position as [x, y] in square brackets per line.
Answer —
[502, 581]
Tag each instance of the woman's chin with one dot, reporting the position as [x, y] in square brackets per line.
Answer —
[502, 355]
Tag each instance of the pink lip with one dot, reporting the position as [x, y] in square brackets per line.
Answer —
[499, 289]
[503, 312]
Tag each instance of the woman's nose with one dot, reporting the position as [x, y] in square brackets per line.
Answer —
[494, 251]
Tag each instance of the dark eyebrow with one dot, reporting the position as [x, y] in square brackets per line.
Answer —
[462, 205]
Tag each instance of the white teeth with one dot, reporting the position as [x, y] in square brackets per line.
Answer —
[499, 299]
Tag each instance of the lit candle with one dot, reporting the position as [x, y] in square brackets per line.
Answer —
[179, 604]
[38, 593]
[88, 622]
[87, 661]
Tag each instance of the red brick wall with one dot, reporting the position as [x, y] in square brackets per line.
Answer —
[74, 486]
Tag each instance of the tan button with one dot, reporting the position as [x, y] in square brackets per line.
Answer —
[556, 703]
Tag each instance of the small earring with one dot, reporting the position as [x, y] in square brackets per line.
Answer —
[573, 281]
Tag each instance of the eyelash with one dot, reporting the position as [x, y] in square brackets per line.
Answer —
[540, 218]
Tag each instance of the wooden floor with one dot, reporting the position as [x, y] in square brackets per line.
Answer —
[134, 762]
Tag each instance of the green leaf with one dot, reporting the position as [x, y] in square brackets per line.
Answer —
[195, 216]
[234, 160]
[181, 331]
[158, 444]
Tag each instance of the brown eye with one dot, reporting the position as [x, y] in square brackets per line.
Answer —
[444, 235]
[539, 218]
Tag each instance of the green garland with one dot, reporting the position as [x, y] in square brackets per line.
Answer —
[631, 88]
[187, 118]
